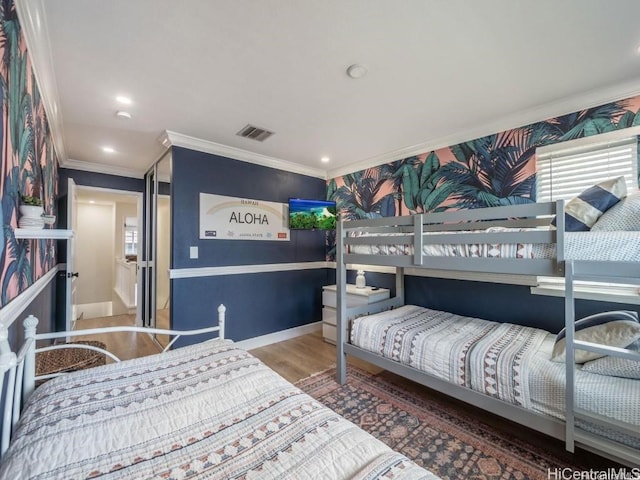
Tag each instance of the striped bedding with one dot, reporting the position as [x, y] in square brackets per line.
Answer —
[505, 361]
[205, 411]
[603, 245]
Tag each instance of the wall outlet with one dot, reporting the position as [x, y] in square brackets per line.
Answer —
[193, 252]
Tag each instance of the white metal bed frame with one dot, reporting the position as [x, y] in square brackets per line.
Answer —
[417, 230]
[19, 369]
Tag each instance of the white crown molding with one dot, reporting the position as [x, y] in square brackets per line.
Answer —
[176, 273]
[102, 168]
[34, 28]
[169, 138]
[12, 310]
[527, 117]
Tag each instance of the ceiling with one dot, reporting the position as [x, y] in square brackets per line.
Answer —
[438, 73]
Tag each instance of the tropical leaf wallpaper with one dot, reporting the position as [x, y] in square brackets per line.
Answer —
[496, 170]
[29, 164]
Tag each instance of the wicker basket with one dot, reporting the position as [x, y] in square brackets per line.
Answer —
[69, 359]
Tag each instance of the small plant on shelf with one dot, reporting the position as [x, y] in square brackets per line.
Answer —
[31, 213]
[31, 201]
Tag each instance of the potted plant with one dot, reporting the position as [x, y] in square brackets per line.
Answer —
[31, 208]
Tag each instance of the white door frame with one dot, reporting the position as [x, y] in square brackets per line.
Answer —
[70, 274]
[139, 195]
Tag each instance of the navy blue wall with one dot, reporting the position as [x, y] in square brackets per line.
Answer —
[92, 179]
[257, 303]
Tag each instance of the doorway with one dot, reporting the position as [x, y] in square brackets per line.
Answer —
[107, 232]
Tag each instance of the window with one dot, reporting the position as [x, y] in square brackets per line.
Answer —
[130, 236]
[564, 171]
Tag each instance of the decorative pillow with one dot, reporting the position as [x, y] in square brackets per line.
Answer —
[623, 216]
[614, 329]
[616, 366]
[582, 212]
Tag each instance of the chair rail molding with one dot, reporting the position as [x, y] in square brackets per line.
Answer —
[176, 273]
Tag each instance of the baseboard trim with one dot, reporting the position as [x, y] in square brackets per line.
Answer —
[281, 336]
[12, 310]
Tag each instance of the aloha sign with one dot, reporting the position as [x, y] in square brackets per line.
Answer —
[231, 218]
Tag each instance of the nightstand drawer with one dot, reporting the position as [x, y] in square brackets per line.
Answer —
[329, 333]
[329, 315]
[329, 298]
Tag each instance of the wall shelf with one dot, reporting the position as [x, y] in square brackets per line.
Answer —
[46, 233]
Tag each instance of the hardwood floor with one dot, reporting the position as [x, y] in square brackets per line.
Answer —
[162, 321]
[303, 356]
[124, 345]
[293, 359]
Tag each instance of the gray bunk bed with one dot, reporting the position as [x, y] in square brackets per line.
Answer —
[473, 241]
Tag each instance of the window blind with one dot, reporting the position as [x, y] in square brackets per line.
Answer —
[566, 172]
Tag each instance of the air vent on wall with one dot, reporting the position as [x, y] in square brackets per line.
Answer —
[255, 133]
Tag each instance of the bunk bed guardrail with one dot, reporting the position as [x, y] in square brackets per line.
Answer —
[497, 225]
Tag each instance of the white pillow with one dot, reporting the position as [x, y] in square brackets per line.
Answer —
[616, 366]
[614, 329]
[623, 216]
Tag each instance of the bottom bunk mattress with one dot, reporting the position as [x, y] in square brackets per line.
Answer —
[206, 411]
[505, 361]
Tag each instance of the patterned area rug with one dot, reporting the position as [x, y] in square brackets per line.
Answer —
[438, 433]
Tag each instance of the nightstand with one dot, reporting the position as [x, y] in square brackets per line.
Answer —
[355, 297]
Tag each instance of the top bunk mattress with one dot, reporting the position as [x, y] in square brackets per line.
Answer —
[617, 246]
[206, 411]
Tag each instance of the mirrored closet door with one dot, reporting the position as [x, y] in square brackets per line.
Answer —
[156, 247]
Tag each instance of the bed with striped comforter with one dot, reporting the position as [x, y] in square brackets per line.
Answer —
[502, 360]
[206, 411]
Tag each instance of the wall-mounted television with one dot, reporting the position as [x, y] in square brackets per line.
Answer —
[311, 214]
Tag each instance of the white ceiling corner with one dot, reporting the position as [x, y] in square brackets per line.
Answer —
[181, 140]
[519, 119]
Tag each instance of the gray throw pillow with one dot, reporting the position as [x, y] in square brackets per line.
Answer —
[616, 366]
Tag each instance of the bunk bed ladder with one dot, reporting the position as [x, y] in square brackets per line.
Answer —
[559, 232]
[620, 272]
[569, 318]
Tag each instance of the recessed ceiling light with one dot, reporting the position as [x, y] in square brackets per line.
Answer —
[638, 50]
[325, 159]
[122, 114]
[356, 71]
[124, 100]
[108, 149]
[92, 201]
